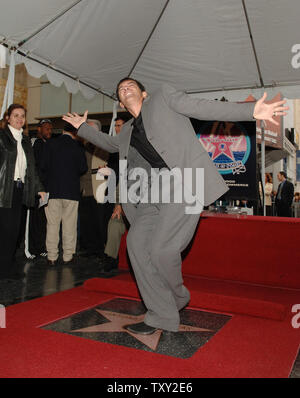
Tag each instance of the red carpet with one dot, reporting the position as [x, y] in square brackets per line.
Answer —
[239, 264]
[216, 295]
[244, 266]
[245, 347]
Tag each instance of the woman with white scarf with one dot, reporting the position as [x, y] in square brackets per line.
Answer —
[19, 184]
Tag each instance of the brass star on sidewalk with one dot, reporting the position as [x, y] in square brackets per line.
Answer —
[118, 321]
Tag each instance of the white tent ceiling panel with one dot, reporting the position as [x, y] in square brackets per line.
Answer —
[55, 78]
[97, 41]
[275, 29]
[200, 45]
[20, 19]
[196, 45]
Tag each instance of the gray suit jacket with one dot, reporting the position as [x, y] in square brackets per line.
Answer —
[168, 128]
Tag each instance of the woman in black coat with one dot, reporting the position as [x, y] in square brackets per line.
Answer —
[19, 184]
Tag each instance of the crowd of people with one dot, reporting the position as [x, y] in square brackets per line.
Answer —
[159, 231]
[55, 177]
[75, 214]
[279, 202]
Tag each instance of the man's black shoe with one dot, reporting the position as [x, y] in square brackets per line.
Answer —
[107, 274]
[112, 262]
[102, 258]
[140, 328]
[110, 266]
[51, 263]
[112, 270]
[72, 261]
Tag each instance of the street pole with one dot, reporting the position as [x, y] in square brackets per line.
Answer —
[263, 159]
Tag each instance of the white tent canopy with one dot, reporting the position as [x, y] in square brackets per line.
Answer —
[203, 46]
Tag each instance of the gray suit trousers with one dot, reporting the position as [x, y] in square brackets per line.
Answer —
[156, 238]
[115, 230]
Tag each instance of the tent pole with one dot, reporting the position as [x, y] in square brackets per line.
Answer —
[215, 90]
[63, 73]
[263, 158]
[48, 23]
[252, 43]
[10, 86]
[149, 37]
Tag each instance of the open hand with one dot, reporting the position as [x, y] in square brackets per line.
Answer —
[104, 171]
[117, 212]
[75, 119]
[42, 195]
[263, 111]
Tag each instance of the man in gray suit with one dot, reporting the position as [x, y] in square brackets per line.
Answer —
[161, 137]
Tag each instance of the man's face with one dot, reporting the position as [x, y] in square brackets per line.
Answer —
[46, 130]
[280, 177]
[130, 93]
[118, 125]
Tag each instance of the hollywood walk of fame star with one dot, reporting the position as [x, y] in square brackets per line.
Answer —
[118, 321]
[222, 147]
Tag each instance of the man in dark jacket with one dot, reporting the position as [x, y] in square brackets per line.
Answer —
[63, 164]
[37, 217]
[284, 197]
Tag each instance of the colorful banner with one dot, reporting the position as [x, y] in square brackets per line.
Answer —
[232, 148]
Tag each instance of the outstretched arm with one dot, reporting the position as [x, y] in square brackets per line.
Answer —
[98, 138]
[224, 111]
[75, 119]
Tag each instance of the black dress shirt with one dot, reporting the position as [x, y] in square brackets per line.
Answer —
[140, 142]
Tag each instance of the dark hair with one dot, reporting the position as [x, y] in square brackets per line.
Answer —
[268, 177]
[140, 85]
[69, 128]
[120, 118]
[283, 173]
[9, 111]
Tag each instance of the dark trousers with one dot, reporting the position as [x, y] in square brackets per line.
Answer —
[269, 211]
[283, 210]
[94, 218]
[88, 225]
[37, 231]
[10, 220]
[104, 211]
